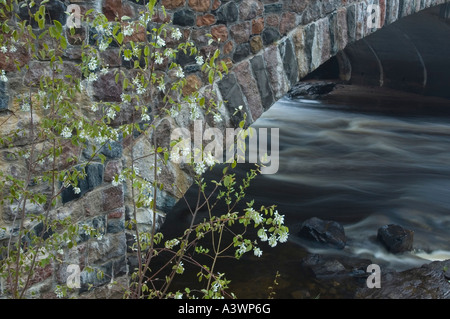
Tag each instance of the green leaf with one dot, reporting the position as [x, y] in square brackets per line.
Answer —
[120, 38]
[63, 42]
[58, 26]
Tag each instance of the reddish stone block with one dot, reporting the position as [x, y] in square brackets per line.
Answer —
[113, 9]
[257, 25]
[216, 4]
[116, 214]
[173, 4]
[111, 169]
[219, 32]
[113, 198]
[228, 48]
[287, 22]
[200, 5]
[207, 19]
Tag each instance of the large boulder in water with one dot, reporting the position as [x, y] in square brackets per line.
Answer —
[326, 232]
[430, 281]
[396, 238]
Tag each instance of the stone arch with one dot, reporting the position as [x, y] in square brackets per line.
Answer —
[334, 31]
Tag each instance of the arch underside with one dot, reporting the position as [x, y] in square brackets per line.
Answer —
[412, 54]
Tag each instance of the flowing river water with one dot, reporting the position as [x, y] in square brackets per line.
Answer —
[364, 157]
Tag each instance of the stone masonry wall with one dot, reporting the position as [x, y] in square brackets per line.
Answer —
[269, 45]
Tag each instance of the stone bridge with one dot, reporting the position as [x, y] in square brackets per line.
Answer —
[269, 46]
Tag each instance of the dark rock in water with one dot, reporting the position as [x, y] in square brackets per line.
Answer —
[321, 266]
[326, 232]
[396, 238]
[426, 282]
[311, 89]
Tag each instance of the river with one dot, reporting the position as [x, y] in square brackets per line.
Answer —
[364, 157]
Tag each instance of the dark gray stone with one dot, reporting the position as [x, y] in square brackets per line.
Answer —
[232, 95]
[115, 225]
[242, 51]
[310, 32]
[112, 150]
[228, 13]
[4, 97]
[289, 61]
[333, 41]
[94, 178]
[273, 8]
[185, 58]
[324, 232]
[351, 23]
[270, 35]
[184, 18]
[56, 11]
[396, 238]
[262, 80]
[192, 68]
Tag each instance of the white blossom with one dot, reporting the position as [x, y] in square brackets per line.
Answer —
[262, 235]
[92, 77]
[158, 59]
[104, 70]
[3, 77]
[59, 293]
[168, 52]
[128, 30]
[171, 243]
[126, 57]
[41, 94]
[176, 34]
[4, 49]
[140, 89]
[272, 241]
[111, 113]
[217, 118]
[103, 45]
[175, 157]
[99, 28]
[283, 237]
[178, 295]
[66, 132]
[195, 112]
[93, 64]
[257, 252]
[160, 41]
[145, 117]
[76, 190]
[209, 159]
[199, 60]
[25, 106]
[124, 97]
[118, 179]
[242, 249]
[278, 219]
[12, 49]
[200, 168]
[161, 86]
[144, 19]
[179, 72]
